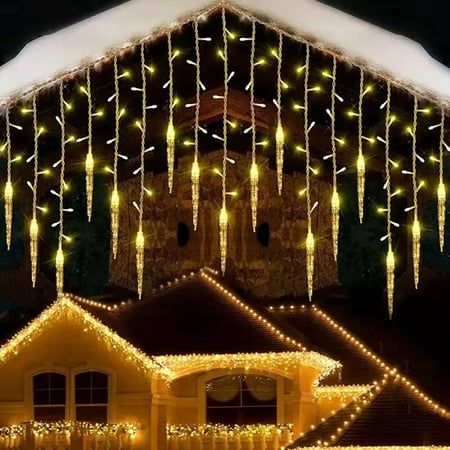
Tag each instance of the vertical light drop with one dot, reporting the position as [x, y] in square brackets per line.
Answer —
[9, 191]
[89, 163]
[360, 163]
[279, 134]
[223, 215]
[441, 190]
[170, 136]
[254, 172]
[195, 169]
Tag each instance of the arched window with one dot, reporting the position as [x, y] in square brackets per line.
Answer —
[49, 396]
[241, 399]
[91, 397]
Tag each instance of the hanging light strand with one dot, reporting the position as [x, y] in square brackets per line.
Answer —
[416, 224]
[59, 252]
[360, 163]
[254, 173]
[310, 236]
[170, 127]
[223, 216]
[335, 201]
[441, 190]
[89, 163]
[390, 260]
[140, 240]
[195, 170]
[279, 135]
[115, 200]
[34, 227]
[8, 186]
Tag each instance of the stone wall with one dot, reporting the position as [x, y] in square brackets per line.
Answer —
[267, 272]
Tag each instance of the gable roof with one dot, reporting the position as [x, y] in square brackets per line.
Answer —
[65, 52]
[388, 415]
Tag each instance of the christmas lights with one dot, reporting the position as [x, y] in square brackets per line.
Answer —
[195, 170]
[360, 163]
[279, 134]
[254, 172]
[170, 137]
[441, 190]
[416, 224]
[223, 215]
[8, 196]
[140, 240]
[89, 162]
[335, 201]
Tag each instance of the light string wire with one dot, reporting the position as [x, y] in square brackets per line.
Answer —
[310, 236]
[8, 186]
[89, 164]
[254, 173]
[170, 127]
[416, 224]
[59, 253]
[335, 201]
[140, 239]
[223, 217]
[441, 190]
[115, 199]
[34, 227]
[360, 163]
[279, 135]
[390, 260]
[195, 170]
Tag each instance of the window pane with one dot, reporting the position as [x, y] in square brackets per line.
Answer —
[57, 397]
[49, 413]
[83, 396]
[99, 380]
[57, 381]
[100, 396]
[93, 414]
[41, 397]
[83, 380]
[41, 381]
[49, 389]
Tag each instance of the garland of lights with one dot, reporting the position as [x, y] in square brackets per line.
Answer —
[310, 236]
[254, 173]
[390, 260]
[223, 216]
[416, 223]
[441, 191]
[195, 170]
[115, 199]
[140, 239]
[360, 163]
[8, 186]
[59, 262]
[170, 128]
[335, 201]
[279, 134]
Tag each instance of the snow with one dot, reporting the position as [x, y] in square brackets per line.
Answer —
[44, 58]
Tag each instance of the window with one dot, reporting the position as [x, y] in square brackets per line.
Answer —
[241, 399]
[183, 235]
[263, 234]
[49, 396]
[91, 397]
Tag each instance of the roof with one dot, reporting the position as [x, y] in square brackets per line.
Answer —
[392, 415]
[48, 57]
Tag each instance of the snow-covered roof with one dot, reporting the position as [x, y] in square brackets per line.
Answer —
[48, 57]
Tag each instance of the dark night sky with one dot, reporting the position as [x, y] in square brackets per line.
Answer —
[425, 22]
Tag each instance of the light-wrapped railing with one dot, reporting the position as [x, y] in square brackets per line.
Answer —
[228, 437]
[68, 435]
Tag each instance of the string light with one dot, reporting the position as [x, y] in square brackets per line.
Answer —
[335, 201]
[390, 259]
[360, 163]
[254, 172]
[115, 199]
[140, 239]
[8, 196]
[309, 237]
[416, 223]
[34, 227]
[223, 216]
[59, 262]
[279, 134]
[441, 190]
[195, 170]
[170, 128]
[89, 163]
